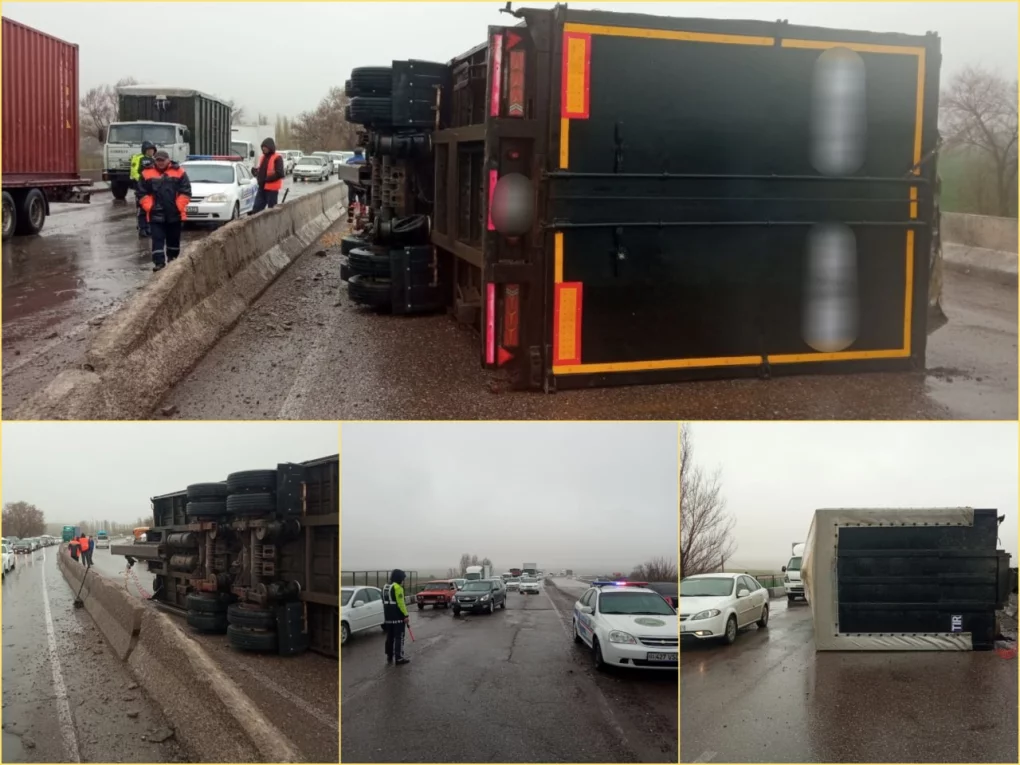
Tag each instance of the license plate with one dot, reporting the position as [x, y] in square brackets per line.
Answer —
[191, 209]
[662, 657]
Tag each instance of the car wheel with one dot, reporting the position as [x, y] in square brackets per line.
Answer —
[764, 621]
[236, 212]
[492, 607]
[790, 598]
[600, 662]
[577, 635]
[345, 633]
[456, 612]
[421, 607]
[503, 604]
[731, 630]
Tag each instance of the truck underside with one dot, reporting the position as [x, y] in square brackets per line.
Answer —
[769, 209]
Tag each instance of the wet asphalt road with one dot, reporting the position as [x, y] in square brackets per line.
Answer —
[95, 712]
[299, 695]
[510, 687]
[59, 285]
[770, 698]
[305, 352]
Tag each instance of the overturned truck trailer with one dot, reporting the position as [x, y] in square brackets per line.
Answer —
[622, 198]
[255, 557]
[927, 579]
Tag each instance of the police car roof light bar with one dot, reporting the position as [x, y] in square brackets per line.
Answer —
[610, 583]
[216, 157]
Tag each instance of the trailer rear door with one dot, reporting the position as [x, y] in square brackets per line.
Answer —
[737, 197]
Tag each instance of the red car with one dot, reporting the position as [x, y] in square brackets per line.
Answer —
[436, 594]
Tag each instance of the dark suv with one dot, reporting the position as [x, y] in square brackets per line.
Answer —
[480, 595]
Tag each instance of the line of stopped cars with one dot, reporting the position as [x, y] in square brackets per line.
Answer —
[624, 624]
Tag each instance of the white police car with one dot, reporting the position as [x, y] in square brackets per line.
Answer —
[627, 625]
[222, 188]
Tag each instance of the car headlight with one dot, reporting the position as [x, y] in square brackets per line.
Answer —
[621, 637]
[706, 614]
[216, 198]
[485, 597]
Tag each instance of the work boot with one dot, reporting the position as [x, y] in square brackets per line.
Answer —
[158, 267]
[402, 660]
[389, 659]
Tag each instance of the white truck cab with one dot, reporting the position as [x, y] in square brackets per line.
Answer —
[792, 580]
[123, 140]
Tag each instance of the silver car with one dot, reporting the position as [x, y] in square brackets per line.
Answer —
[311, 168]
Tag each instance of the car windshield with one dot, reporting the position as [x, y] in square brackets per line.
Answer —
[528, 579]
[634, 603]
[439, 586]
[310, 161]
[134, 132]
[707, 587]
[239, 149]
[477, 586]
[794, 564]
[209, 173]
[345, 597]
[514, 579]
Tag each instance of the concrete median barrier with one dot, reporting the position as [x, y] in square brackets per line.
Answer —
[981, 244]
[210, 714]
[148, 345]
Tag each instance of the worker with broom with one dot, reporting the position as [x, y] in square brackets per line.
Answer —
[74, 546]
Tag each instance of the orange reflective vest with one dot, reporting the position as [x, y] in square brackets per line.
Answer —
[277, 184]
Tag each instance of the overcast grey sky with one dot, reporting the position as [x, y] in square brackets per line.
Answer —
[109, 471]
[774, 475]
[283, 57]
[594, 497]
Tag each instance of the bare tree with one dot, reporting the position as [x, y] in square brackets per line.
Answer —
[23, 519]
[99, 107]
[705, 527]
[979, 110]
[465, 561]
[655, 570]
[452, 573]
[325, 128]
[236, 113]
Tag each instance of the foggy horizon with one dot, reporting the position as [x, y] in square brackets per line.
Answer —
[582, 496]
[774, 475]
[109, 471]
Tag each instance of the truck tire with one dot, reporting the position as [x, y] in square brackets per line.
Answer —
[363, 261]
[246, 639]
[367, 80]
[374, 293]
[251, 480]
[207, 602]
[351, 241]
[206, 509]
[371, 110]
[251, 616]
[10, 216]
[251, 504]
[31, 213]
[119, 189]
[201, 621]
[207, 491]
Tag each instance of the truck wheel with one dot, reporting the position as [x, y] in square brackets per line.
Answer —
[251, 617]
[363, 261]
[201, 621]
[374, 293]
[370, 79]
[31, 213]
[250, 504]
[351, 241]
[371, 110]
[207, 509]
[252, 480]
[246, 639]
[10, 216]
[207, 602]
[119, 189]
[208, 491]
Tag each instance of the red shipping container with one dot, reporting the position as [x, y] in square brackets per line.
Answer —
[40, 106]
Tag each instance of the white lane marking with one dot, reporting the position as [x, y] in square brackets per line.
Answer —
[59, 689]
[706, 756]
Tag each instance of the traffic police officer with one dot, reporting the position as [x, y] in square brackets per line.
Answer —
[140, 162]
[395, 616]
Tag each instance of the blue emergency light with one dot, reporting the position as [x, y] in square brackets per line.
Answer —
[215, 157]
[608, 583]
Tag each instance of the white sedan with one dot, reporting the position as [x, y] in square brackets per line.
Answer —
[361, 608]
[9, 560]
[222, 190]
[716, 606]
[529, 585]
[626, 627]
[313, 168]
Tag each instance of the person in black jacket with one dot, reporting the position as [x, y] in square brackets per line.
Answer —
[164, 192]
[270, 174]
